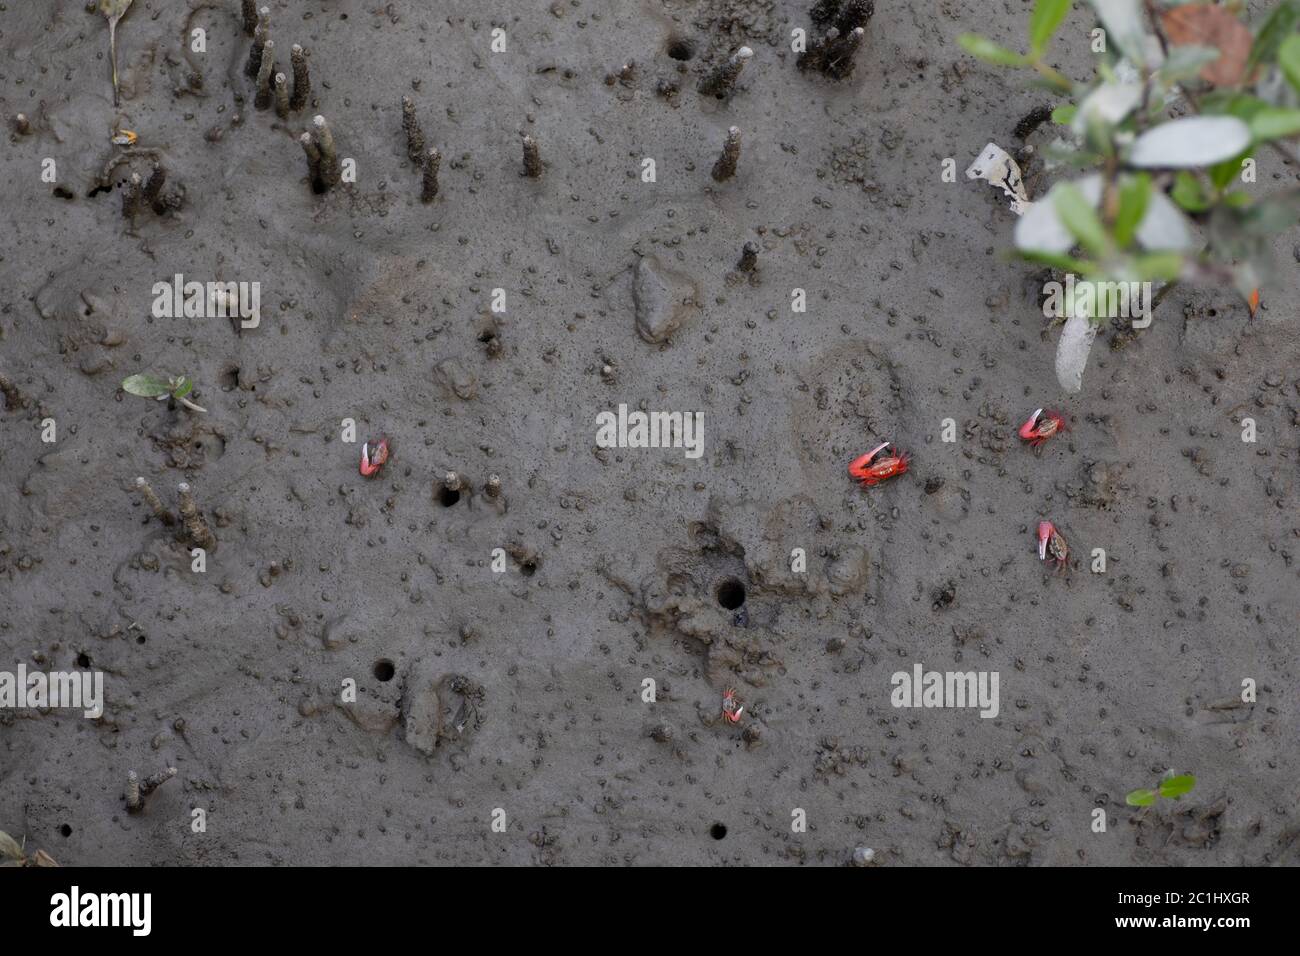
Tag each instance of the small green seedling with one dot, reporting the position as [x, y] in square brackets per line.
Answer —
[14, 854]
[161, 389]
[1172, 787]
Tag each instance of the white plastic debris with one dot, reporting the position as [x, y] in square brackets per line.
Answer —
[995, 166]
[1072, 352]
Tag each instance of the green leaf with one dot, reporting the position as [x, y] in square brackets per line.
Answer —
[1188, 192]
[1141, 798]
[1081, 219]
[1047, 16]
[1134, 194]
[9, 847]
[988, 51]
[1158, 266]
[1063, 115]
[182, 387]
[1237, 200]
[1280, 24]
[1060, 261]
[1177, 786]
[146, 386]
[1288, 58]
[1222, 174]
[1274, 122]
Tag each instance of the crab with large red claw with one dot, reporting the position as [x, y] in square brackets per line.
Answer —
[1042, 425]
[731, 706]
[882, 462]
[1051, 545]
[373, 456]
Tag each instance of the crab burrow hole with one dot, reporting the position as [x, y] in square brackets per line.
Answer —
[718, 831]
[681, 48]
[384, 670]
[731, 594]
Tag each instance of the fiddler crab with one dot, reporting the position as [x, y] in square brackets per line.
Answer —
[373, 456]
[883, 461]
[731, 706]
[1051, 546]
[1042, 425]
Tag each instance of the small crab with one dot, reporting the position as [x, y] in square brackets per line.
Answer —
[731, 706]
[373, 456]
[1051, 545]
[1042, 425]
[124, 137]
[878, 464]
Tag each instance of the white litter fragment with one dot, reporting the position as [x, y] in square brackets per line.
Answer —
[995, 165]
[1072, 352]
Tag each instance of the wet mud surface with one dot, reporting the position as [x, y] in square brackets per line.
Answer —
[522, 690]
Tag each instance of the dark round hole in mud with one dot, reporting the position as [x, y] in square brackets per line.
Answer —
[384, 670]
[528, 568]
[681, 48]
[66, 830]
[718, 831]
[448, 496]
[140, 639]
[83, 659]
[731, 594]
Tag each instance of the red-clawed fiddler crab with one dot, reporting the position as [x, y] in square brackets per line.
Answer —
[883, 461]
[1051, 545]
[373, 456]
[731, 706]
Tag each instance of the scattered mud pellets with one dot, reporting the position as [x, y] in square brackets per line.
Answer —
[882, 462]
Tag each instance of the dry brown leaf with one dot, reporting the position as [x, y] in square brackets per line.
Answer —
[1212, 26]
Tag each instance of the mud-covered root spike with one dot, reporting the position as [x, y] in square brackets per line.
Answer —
[265, 73]
[452, 481]
[722, 81]
[432, 160]
[281, 87]
[248, 10]
[841, 56]
[261, 36]
[155, 780]
[137, 789]
[532, 158]
[330, 174]
[132, 193]
[748, 257]
[196, 529]
[152, 196]
[133, 803]
[725, 167]
[313, 161]
[493, 487]
[301, 78]
[414, 135]
[154, 502]
[22, 125]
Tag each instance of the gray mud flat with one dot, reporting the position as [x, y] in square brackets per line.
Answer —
[522, 691]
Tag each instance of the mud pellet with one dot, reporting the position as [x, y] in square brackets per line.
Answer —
[748, 257]
[722, 81]
[725, 167]
[532, 158]
[154, 502]
[432, 160]
[22, 126]
[265, 73]
[301, 78]
[281, 87]
[414, 135]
